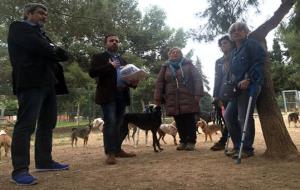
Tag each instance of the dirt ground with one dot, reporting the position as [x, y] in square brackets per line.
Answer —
[169, 169]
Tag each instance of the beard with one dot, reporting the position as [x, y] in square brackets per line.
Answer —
[113, 48]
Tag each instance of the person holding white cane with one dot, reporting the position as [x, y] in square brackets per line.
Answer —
[246, 68]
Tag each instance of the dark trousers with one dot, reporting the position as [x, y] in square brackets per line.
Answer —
[37, 107]
[186, 126]
[113, 117]
[224, 132]
[224, 136]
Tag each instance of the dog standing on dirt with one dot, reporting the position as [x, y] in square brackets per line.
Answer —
[208, 130]
[5, 141]
[206, 116]
[145, 121]
[81, 133]
[293, 117]
[167, 129]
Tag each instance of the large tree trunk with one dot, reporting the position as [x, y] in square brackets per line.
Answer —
[278, 141]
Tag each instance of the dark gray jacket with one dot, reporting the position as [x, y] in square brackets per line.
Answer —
[34, 59]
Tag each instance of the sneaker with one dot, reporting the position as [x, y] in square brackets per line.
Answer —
[123, 154]
[190, 147]
[110, 159]
[218, 146]
[244, 155]
[181, 146]
[24, 178]
[55, 166]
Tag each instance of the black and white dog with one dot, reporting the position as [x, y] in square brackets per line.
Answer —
[293, 117]
[146, 121]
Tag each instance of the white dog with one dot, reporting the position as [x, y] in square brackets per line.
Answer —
[99, 123]
[167, 129]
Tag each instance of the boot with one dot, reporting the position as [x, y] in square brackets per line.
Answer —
[110, 159]
[218, 146]
[123, 154]
[190, 147]
[181, 146]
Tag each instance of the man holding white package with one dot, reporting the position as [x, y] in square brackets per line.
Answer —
[112, 93]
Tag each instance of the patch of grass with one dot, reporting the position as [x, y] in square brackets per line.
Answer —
[71, 124]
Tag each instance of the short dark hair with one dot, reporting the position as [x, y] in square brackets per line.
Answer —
[31, 7]
[226, 37]
[107, 36]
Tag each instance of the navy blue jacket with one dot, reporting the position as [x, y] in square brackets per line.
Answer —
[218, 76]
[247, 62]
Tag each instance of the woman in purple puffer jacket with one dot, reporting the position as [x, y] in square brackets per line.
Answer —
[179, 86]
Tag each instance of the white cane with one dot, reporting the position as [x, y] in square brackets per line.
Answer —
[238, 161]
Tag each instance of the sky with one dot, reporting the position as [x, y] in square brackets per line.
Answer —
[181, 14]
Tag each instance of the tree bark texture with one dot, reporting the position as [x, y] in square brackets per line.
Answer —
[278, 141]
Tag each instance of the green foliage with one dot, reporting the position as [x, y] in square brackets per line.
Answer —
[277, 54]
[291, 40]
[203, 76]
[70, 124]
[289, 74]
[289, 35]
[80, 27]
[280, 101]
[205, 103]
[220, 14]
[285, 74]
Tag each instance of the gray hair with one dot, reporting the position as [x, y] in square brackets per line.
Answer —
[31, 7]
[238, 26]
[173, 48]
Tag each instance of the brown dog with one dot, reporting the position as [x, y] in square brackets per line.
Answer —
[208, 130]
[5, 141]
[81, 133]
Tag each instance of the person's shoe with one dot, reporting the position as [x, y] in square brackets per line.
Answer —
[218, 146]
[23, 178]
[181, 146]
[110, 159]
[244, 155]
[123, 154]
[54, 166]
[190, 147]
[231, 152]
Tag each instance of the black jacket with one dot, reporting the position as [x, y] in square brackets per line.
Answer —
[34, 59]
[106, 76]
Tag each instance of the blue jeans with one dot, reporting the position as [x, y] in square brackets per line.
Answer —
[113, 117]
[37, 107]
[238, 107]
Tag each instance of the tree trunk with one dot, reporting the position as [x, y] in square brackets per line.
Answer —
[78, 113]
[278, 141]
